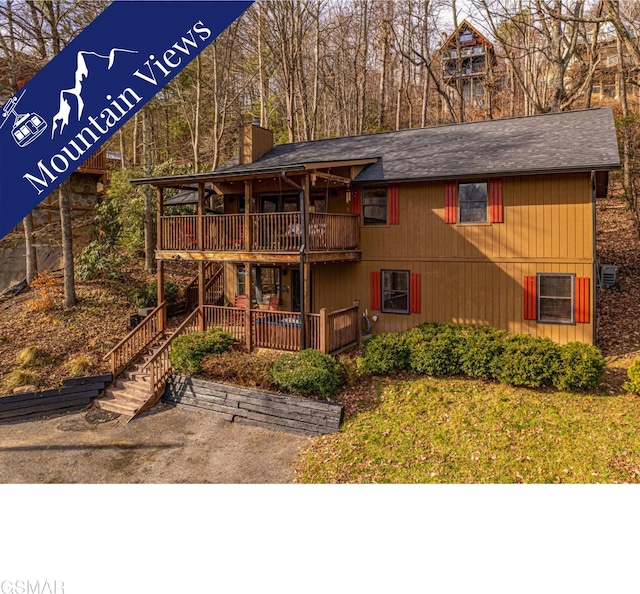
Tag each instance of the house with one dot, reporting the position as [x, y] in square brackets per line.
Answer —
[468, 61]
[488, 222]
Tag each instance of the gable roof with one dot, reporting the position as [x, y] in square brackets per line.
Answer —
[583, 140]
[466, 24]
[565, 141]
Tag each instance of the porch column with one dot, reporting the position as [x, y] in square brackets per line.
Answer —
[248, 209]
[247, 291]
[162, 322]
[201, 280]
[200, 219]
[160, 201]
[306, 272]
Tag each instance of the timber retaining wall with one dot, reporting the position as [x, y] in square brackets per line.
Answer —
[294, 414]
[76, 393]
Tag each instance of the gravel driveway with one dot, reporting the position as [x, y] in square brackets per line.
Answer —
[166, 445]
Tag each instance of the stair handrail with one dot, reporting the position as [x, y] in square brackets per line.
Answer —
[155, 383]
[115, 369]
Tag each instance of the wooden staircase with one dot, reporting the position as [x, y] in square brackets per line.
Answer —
[140, 364]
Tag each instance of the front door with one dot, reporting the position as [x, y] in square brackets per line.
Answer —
[295, 290]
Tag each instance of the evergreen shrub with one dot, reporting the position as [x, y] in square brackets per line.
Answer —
[188, 350]
[385, 353]
[527, 361]
[581, 367]
[434, 349]
[481, 346]
[308, 372]
[633, 385]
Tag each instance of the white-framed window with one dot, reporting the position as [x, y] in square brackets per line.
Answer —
[395, 291]
[473, 201]
[374, 205]
[556, 297]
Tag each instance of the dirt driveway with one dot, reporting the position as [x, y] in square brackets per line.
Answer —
[167, 445]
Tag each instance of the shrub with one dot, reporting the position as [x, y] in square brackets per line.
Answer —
[308, 372]
[581, 367]
[482, 345]
[188, 350]
[633, 385]
[527, 361]
[434, 349]
[80, 366]
[99, 260]
[385, 353]
[148, 295]
[246, 369]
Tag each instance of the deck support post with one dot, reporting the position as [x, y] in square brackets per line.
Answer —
[305, 267]
[200, 224]
[248, 209]
[247, 314]
[323, 339]
[201, 281]
[160, 201]
[162, 321]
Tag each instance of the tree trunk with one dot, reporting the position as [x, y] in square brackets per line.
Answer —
[149, 259]
[30, 254]
[67, 245]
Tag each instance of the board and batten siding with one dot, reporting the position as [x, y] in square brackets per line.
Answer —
[474, 274]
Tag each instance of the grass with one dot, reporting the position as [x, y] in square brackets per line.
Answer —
[466, 431]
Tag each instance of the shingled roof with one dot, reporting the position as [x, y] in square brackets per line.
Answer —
[582, 140]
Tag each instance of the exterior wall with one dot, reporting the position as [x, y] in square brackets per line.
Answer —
[474, 273]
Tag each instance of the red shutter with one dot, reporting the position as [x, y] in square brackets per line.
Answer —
[376, 291]
[393, 194]
[356, 201]
[530, 305]
[450, 202]
[414, 293]
[495, 201]
[582, 301]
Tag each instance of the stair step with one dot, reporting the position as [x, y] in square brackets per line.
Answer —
[118, 406]
[134, 390]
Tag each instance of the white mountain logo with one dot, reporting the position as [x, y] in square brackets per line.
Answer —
[82, 73]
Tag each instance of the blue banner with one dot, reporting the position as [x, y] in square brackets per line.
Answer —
[93, 87]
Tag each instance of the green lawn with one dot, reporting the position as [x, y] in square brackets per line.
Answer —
[465, 431]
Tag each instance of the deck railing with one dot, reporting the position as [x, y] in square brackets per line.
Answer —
[230, 319]
[276, 330]
[213, 287]
[343, 327]
[134, 343]
[270, 232]
[159, 366]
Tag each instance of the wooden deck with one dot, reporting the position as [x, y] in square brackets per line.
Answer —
[268, 236]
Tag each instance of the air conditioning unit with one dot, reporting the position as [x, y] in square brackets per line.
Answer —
[608, 276]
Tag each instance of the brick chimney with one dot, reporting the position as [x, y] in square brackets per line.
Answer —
[255, 141]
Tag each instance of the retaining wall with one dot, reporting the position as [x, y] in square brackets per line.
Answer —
[245, 406]
[75, 394]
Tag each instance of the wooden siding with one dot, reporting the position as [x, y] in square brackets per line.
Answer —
[474, 274]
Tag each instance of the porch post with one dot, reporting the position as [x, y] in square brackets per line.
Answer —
[201, 280]
[247, 290]
[248, 209]
[323, 341]
[160, 280]
[200, 218]
[160, 200]
[306, 268]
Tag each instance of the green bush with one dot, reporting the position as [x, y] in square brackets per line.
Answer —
[633, 385]
[482, 345]
[188, 350]
[385, 353]
[434, 349]
[527, 361]
[148, 295]
[99, 260]
[308, 372]
[581, 367]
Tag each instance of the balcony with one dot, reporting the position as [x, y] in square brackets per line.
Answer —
[270, 235]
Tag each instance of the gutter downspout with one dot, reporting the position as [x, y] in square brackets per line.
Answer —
[303, 245]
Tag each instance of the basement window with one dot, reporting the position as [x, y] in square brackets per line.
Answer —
[556, 298]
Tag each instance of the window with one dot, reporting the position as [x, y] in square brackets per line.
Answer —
[472, 201]
[374, 206]
[555, 298]
[395, 291]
